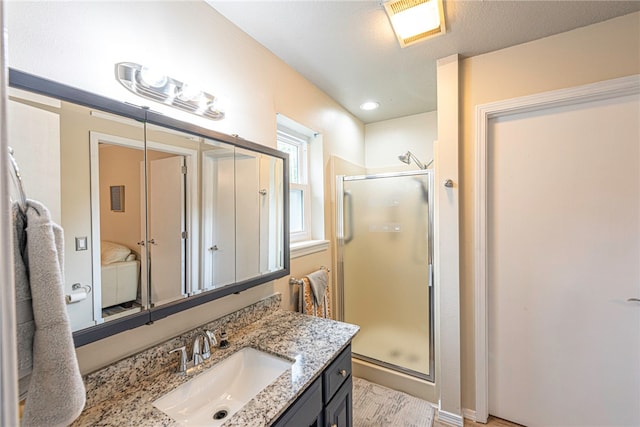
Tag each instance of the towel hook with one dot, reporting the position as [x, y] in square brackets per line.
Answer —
[18, 177]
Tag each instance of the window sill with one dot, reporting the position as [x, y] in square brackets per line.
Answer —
[308, 247]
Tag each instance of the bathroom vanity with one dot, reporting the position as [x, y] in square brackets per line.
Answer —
[326, 402]
[315, 391]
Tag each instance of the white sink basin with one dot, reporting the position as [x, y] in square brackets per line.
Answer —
[212, 397]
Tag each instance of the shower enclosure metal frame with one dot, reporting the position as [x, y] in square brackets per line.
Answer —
[341, 195]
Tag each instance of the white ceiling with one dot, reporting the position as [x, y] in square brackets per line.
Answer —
[348, 50]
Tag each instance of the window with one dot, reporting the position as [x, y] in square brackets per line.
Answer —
[297, 146]
[306, 186]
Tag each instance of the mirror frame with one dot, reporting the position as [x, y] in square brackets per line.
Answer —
[32, 83]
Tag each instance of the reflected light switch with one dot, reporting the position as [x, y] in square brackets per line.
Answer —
[81, 243]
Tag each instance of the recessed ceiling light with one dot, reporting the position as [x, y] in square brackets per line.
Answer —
[369, 105]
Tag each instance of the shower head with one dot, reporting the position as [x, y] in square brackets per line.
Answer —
[404, 158]
[408, 156]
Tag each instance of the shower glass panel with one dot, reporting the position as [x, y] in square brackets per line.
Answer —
[386, 268]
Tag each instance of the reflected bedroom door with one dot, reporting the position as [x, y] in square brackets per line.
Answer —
[166, 223]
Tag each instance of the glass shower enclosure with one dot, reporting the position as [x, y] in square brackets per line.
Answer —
[385, 268]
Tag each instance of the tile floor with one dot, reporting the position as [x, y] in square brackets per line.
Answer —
[377, 406]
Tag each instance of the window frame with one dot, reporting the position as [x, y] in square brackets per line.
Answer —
[301, 182]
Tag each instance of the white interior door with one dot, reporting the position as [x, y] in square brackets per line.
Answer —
[218, 215]
[247, 198]
[166, 223]
[564, 257]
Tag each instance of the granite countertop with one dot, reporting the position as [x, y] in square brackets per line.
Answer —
[309, 341]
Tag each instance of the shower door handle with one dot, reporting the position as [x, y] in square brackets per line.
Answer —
[430, 274]
[348, 212]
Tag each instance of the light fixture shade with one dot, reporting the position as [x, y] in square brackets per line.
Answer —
[415, 20]
[154, 85]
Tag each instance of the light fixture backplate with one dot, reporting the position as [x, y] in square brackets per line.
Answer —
[170, 92]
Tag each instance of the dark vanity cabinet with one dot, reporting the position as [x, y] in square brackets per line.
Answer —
[338, 412]
[337, 387]
[328, 401]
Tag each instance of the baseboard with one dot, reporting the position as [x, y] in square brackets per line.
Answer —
[469, 414]
[449, 418]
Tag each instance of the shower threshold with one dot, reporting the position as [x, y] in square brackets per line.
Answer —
[397, 368]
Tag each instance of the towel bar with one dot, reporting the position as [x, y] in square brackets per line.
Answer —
[293, 281]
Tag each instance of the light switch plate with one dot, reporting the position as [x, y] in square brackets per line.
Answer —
[81, 243]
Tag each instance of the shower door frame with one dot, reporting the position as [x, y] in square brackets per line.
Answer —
[340, 234]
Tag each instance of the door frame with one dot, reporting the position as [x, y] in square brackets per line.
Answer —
[607, 89]
[95, 138]
[8, 346]
[191, 215]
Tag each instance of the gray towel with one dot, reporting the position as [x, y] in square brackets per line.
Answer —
[318, 281]
[24, 313]
[56, 394]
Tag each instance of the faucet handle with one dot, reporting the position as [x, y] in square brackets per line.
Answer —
[206, 346]
[183, 358]
[213, 341]
[224, 339]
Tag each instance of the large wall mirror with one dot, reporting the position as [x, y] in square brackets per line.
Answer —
[158, 215]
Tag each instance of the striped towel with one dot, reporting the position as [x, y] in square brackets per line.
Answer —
[307, 303]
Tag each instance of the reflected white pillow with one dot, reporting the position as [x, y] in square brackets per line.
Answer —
[111, 252]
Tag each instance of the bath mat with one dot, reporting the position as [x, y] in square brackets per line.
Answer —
[377, 406]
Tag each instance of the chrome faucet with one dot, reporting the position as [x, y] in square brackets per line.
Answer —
[203, 341]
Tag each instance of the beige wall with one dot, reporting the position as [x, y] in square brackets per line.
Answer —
[78, 43]
[598, 52]
[386, 140]
[120, 166]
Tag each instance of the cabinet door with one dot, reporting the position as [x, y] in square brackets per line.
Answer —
[306, 411]
[339, 412]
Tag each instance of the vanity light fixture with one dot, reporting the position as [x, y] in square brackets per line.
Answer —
[415, 20]
[369, 105]
[151, 84]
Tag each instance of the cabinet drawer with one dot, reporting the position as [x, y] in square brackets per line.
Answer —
[336, 374]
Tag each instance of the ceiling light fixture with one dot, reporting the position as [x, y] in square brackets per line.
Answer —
[415, 20]
[151, 84]
[369, 105]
